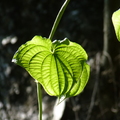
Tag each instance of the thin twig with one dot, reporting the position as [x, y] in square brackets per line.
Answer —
[95, 87]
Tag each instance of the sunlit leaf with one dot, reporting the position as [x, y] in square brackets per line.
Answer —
[59, 66]
[81, 83]
[116, 23]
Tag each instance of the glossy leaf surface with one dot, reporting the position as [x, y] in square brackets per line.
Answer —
[59, 66]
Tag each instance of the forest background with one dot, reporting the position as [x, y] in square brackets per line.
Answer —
[87, 22]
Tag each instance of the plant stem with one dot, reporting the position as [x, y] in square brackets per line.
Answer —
[58, 18]
[39, 95]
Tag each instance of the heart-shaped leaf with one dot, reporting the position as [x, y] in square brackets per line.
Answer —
[59, 66]
[116, 23]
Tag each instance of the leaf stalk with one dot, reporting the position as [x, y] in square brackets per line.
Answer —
[39, 95]
[58, 18]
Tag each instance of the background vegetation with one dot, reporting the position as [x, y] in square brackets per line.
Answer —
[87, 22]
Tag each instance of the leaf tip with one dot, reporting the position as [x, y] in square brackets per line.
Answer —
[14, 60]
[61, 99]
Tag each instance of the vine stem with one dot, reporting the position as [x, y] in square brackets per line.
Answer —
[58, 18]
[39, 95]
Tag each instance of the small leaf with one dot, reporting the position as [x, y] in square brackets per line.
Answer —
[59, 66]
[116, 23]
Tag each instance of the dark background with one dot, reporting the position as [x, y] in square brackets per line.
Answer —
[82, 22]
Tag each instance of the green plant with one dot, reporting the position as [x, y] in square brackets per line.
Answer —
[59, 66]
[116, 23]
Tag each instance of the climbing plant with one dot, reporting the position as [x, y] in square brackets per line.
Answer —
[58, 65]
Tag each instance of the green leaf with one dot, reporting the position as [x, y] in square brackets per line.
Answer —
[81, 83]
[59, 66]
[116, 23]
